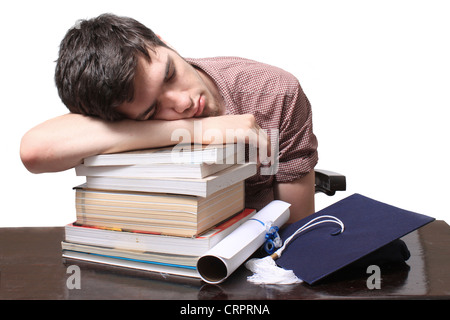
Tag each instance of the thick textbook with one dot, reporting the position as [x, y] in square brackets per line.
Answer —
[198, 187]
[141, 241]
[168, 214]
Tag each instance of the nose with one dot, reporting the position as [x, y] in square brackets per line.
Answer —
[178, 101]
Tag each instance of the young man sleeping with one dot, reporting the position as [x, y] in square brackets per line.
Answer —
[127, 89]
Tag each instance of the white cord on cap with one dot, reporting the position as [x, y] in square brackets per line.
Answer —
[306, 226]
[265, 270]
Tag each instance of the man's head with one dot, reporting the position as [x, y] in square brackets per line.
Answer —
[115, 67]
[97, 61]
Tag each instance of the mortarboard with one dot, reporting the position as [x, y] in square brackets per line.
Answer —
[369, 226]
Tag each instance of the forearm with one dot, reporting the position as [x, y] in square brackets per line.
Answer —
[300, 194]
[63, 142]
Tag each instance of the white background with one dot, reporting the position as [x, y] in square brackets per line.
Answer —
[376, 72]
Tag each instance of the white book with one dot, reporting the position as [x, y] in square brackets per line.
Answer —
[158, 170]
[132, 264]
[197, 187]
[176, 260]
[182, 153]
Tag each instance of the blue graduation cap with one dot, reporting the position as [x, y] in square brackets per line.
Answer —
[369, 225]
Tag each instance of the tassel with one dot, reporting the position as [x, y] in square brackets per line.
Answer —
[266, 271]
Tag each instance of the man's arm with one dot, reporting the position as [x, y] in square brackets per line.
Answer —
[300, 194]
[63, 142]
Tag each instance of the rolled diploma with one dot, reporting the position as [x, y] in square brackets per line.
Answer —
[225, 257]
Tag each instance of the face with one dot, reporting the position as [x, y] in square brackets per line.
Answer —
[169, 88]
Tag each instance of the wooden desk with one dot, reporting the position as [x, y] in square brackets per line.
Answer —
[31, 267]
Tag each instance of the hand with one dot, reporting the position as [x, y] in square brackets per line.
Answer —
[240, 129]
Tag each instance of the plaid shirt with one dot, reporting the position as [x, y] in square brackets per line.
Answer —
[277, 101]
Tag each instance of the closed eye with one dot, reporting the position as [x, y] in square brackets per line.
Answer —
[150, 112]
[170, 70]
[170, 73]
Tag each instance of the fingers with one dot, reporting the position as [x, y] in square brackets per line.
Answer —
[242, 130]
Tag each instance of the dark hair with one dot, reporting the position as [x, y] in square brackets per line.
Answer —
[97, 61]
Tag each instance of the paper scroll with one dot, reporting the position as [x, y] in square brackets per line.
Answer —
[224, 258]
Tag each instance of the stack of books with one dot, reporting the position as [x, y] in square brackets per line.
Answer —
[157, 209]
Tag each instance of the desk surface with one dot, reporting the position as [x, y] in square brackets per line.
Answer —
[31, 267]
